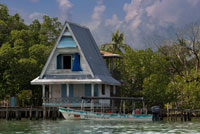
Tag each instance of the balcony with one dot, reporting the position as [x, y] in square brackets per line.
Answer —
[74, 102]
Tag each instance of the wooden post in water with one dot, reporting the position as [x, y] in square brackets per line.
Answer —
[17, 114]
[44, 113]
[58, 113]
[181, 114]
[26, 114]
[189, 116]
[30, 113]
[7, 113]
[185, 116]
[168, 111]
[36, 115]
[49, 112]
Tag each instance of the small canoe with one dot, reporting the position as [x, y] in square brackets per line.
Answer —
[85, 115]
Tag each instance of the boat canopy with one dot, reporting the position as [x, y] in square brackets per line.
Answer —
[114, 98]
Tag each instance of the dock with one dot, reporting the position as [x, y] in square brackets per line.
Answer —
[32, 113]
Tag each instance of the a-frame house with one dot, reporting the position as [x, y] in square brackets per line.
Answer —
[75, 68]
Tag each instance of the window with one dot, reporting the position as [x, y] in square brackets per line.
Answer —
[103, 90]
[70, 62]
[67, 62]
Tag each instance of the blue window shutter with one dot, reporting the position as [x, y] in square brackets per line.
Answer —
[64, 92]
[96, 90]
[76, 65]
[71, 90]
[59, 61]
[87, 89]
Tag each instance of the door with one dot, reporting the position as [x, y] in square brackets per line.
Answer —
[96, 90]
[87, 89]
[71, 90]
[64, 91]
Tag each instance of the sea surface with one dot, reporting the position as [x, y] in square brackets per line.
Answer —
[97, 127]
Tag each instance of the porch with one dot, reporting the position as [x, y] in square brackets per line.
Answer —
[74, 102]
[69, 95]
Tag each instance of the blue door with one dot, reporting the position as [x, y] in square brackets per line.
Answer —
[59, 62]
[87, 89]
[64, 92]
[96, 90]
[71, 90]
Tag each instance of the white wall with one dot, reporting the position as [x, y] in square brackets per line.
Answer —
[52, 68]
[79, 90]
[56, 91]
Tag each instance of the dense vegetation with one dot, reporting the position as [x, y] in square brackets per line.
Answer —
[23, 51]
[168, 75]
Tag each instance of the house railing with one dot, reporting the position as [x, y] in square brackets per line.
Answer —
[73, 102]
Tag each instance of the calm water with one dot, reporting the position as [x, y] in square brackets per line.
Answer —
[96, 127]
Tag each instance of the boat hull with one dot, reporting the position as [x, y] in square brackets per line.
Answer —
[71, 114]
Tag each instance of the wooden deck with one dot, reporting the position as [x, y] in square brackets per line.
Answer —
[32, 113]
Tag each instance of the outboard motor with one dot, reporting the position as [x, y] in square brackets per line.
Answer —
[156, 113]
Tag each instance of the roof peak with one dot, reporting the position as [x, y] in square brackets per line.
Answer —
[69, 22]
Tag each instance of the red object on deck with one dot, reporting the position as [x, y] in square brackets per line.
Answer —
[77, 115]
[137, 111]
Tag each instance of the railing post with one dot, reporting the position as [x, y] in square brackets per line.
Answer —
[68, 101]
[43, 94]
[92, 101]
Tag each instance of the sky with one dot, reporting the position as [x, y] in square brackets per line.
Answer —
[142, 21]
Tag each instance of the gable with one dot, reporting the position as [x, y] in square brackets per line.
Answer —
[77, 39]
[66, 46]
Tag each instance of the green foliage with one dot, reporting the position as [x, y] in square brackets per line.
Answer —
[23, 51]
[145, 73]
[118, 44]
[24, 97]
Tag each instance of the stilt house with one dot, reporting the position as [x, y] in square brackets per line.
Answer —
[75, 68]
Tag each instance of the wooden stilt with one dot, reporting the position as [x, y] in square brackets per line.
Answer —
[30, 113]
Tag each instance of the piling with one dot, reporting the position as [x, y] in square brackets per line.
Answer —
[30, 113]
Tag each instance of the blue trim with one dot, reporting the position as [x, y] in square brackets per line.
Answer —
[64, 91]
[96, 90]
[87, 89]
[76, 66]
[59, 61]
[67, 41]
[71, 90]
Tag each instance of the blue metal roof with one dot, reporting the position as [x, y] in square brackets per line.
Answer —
[92, 53]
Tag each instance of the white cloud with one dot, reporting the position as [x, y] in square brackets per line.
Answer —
[145, 21]
[132, 9]
[114, 21]
[96, 17]
[65, 6]
[36, 15]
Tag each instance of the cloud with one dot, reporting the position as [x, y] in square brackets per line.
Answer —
[146, 21]
[37, 15]
[97, 23]
[65, 6]
[96, 17]
[132, 9]
[114, 21]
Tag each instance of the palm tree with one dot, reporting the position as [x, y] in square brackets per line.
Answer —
[117, 45]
